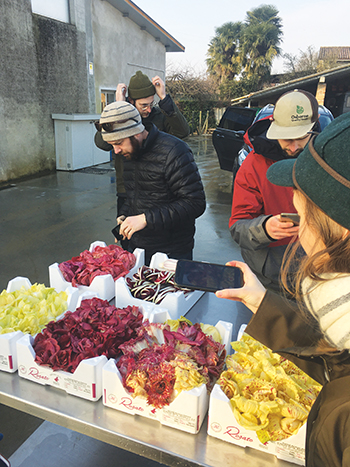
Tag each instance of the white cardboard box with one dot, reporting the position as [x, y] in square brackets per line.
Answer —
[177, 303]
[102, 286]
[8, 347]
[185, 413]
[86, 381]
[222, 424]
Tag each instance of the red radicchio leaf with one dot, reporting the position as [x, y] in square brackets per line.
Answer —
[112, 259]
[160, 385]
[95, 328]
[157, 361]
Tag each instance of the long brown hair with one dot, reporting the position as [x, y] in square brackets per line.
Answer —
[333, 257]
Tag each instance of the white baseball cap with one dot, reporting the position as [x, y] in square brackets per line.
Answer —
[294, 115]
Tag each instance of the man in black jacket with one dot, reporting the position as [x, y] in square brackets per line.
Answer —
[165, 116]
[163, 186]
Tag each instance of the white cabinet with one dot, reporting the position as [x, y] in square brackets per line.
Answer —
[74, 142]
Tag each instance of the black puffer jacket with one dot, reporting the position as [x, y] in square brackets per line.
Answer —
[165, 185]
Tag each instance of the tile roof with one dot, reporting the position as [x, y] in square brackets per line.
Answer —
[340, 53]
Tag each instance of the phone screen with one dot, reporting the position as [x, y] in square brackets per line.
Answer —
[207, 276]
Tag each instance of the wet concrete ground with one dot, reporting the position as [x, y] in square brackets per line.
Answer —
[53, 218]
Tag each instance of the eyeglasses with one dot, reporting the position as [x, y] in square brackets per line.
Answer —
[110, 126]
[145, 106]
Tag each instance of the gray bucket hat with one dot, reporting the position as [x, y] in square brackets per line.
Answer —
[322, 171]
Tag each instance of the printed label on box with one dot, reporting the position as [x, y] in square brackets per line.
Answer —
[85, 382]
[222, 424]
[186, 412]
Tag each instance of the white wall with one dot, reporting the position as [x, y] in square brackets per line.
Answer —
[121, 48]
[45, 70]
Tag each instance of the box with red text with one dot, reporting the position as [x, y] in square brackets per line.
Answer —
[186, 412]
[222, 424]
[8, 341]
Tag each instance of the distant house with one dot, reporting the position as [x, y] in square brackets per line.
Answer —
[67, 57]
[331, 88]
[340, 55]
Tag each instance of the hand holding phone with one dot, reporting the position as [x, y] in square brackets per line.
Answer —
[252, 292]
[116, 229]
[290, 217]
[208, 277]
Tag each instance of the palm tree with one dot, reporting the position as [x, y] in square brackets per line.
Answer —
[223, 54]
[261, 36]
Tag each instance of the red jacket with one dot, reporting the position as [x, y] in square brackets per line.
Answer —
[254, 195]
[255, 199]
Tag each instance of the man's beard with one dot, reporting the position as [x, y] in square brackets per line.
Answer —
[136, 149]
[292, 156]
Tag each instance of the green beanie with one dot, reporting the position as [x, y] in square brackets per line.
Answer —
[140, 86]
[322, 171]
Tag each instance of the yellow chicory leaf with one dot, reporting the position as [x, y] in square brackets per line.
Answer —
[267, 393]
[175, 323]
[29, 310]
[212, 331]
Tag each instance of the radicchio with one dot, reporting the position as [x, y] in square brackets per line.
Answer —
[95, 328]
[112, 259]
[157, 360]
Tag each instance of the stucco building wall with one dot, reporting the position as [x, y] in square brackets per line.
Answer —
[46, 69]
[121, 48]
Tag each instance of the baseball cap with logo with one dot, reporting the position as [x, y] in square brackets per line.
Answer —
[119, 120]
[295, 113]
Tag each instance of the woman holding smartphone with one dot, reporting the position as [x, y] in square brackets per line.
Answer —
[314, 330]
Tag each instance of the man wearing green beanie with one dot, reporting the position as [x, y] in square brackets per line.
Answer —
[165, 116]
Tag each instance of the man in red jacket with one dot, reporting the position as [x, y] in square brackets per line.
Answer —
[255, 222]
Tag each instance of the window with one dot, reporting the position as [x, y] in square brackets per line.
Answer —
[107, 97]
[55, 9]
[237, 118]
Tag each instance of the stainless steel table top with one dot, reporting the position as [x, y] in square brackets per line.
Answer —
[134, 433]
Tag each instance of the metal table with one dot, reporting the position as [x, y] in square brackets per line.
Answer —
[134, 433]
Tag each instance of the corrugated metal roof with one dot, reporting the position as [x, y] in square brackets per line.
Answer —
[289, 85]
[339, 53]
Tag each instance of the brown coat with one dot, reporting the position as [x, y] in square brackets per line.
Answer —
[282, 327]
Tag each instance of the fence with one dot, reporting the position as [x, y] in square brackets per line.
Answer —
[200, 121]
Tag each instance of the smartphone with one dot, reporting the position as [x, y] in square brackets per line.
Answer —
[290, 217]
[116, 233]
[209, 277]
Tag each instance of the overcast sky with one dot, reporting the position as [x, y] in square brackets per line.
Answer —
[192, 22]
